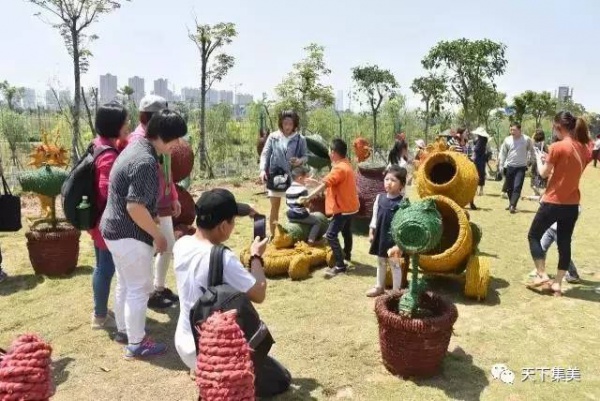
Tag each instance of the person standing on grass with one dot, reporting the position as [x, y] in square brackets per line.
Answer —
[480, 155]
[596, 151]
[515, 154]
[129, 227]
[564, 166]
[380, 236]
[283, 150]
[112, 127]
[168, 207]
[341, 202]
[538, 183]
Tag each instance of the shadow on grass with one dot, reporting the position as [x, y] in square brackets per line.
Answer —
[453, 287]
[20, 283]
[300, 390]
[60, 374]
[584, 293]
[489, 255]
[480, 209]
[79, 271]
[460, 380]
[362, 270]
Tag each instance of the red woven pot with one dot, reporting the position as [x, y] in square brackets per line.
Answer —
[414, 347]
[370, 183]
[188, 208]
[182, 161]
[53, 253]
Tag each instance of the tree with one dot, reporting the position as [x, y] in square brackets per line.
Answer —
[72, 18]
[520, 108]
[433, 92]
[376, 84]
[468, 66]
[127, 93]
[302, 89]
[208, 39]
[540, 105]
[11, 93]
[485, 100]
[576, 109]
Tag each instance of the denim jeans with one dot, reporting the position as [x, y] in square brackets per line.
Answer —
[340, 223]
[565, 217]
[515, 177]
[103, 274]
[547, 240]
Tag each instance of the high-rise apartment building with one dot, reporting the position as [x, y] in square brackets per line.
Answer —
[108, 88]
[139, 88]
[564, 93]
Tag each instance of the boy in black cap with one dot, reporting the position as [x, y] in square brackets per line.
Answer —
[216, 211]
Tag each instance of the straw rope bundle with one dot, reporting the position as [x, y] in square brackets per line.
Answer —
[477, 277]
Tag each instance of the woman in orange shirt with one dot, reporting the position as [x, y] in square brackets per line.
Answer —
[564, 165]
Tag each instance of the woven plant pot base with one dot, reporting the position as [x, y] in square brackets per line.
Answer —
[414, 347]
[188, 208]
[317, 204]
[53, 253]
[369, 182]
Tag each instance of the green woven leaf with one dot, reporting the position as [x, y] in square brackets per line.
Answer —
[43, 181]
[417, 227]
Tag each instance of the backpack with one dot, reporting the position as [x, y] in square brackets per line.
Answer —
[223, 297]
[80, 183]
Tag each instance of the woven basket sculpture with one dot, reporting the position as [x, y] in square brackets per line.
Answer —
[224, 366]
[369, 181]
[477, 277]
[448, 173]
[414, 345]
[286, 235]
[188, 208]
[182, 161]
[25, 372]
[456, 243]
[296, 262]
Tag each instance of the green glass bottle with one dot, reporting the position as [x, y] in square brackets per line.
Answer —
[84, 213]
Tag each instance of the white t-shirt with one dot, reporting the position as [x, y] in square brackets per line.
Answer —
[191, 259]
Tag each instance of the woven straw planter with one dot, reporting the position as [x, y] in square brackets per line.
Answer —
[477, 278]
[369, 180]
[53, 252]
[448, 173]
[188, 209]
[317, 204]
[414, 347]
[182, 161]
[457, 239]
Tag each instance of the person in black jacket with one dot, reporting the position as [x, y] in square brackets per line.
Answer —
[480, 155]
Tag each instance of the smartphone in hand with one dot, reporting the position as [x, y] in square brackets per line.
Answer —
[260, 226]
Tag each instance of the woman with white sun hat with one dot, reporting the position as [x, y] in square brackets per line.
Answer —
[481, 155]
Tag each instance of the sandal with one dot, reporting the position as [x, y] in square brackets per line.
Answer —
[539, 281]
[556, 292]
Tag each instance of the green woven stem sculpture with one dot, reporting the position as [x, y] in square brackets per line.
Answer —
[46, 181]
[416, 228]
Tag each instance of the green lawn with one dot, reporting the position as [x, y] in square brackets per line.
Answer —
[326, 330]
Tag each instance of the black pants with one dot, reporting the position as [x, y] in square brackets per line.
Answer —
[595, 156]
[515, 177]
[565, 217]
[340, 223]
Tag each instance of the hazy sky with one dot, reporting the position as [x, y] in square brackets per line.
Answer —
[550, 43]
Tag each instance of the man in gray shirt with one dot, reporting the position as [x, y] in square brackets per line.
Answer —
[515, 154]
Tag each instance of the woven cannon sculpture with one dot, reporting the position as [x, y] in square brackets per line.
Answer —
[449, 173]
[182, 162]
[288, 253]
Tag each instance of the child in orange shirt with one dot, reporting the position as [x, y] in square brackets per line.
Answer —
[341, 202]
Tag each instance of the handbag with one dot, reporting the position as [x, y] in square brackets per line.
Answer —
[279, 179]
[10, 209]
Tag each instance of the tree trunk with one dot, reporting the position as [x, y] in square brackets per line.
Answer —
[9, 99]
[427, 122]
[77, 101]
[374, 133]
[202, 152]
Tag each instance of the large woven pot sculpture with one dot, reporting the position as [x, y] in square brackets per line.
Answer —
[288, 253]
[456, 243]
[414, 333]
[369, 180]
[182, 162]
[448, 173]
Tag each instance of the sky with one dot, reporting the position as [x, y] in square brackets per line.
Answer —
[549, 43]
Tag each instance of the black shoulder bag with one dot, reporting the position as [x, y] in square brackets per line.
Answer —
[10, 209]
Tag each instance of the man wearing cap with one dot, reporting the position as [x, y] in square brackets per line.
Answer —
[168, 206]
[216, 211]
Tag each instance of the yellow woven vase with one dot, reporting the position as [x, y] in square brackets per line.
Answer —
[457, 239]
[448, 173]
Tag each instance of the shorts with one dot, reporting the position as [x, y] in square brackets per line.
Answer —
[275, 194]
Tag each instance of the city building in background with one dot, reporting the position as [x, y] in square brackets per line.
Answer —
[51, 102]
[564, 93]
[190, 95]
[243, 99]
[29, 99]
[139, 89]
[226, 97]
[339, 101]
[161, 88]
[108, 88]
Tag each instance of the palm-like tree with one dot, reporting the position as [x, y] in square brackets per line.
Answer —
[127, 93]
[11, 93]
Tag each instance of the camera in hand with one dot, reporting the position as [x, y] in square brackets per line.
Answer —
[260, 226]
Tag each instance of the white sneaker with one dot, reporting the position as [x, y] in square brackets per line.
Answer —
[100, 323]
